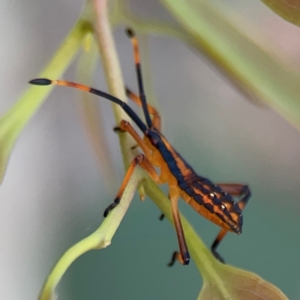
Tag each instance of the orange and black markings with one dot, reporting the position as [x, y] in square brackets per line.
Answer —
[214, 202]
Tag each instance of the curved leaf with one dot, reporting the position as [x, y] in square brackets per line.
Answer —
[237, 284]
[287, 9]
[253, 69]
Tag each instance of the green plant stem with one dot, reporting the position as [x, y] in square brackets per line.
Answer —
[112, 69]
[99, 239]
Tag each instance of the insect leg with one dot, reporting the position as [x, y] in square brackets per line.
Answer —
[176, 256]
[216, 243]
[183, 257]
[237, 189]
[125, 126]
[234, 189]
[143, 162]
[156, 120]
[162, 216]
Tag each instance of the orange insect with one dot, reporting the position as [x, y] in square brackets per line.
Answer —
[213, 202]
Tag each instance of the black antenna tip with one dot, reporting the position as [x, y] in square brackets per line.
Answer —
[40, 81]
[130, 33]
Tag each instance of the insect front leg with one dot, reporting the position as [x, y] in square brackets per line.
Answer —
[125, 126]
[143, 162]
[234, 189]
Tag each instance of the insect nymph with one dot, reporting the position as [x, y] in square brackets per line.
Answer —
[214, 202]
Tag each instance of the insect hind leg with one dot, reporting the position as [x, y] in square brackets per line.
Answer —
[234, 189]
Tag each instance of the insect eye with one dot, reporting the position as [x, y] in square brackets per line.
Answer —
[212, 195]
[223, 206]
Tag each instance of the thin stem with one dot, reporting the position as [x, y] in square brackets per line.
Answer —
[99, 239]
[108, 55]
[112, 69]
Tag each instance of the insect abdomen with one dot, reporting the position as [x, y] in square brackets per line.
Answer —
[212, 203]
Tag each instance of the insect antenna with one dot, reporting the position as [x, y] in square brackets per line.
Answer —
[125, 107]
[130, 33]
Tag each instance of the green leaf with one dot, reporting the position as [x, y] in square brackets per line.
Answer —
[237, 284]
[12, 123]
[253, 69]
[287, 9]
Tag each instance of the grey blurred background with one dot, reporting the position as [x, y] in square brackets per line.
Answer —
[53, 194]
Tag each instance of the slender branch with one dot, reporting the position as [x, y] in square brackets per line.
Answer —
[108, 53]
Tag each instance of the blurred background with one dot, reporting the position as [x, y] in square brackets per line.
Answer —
[53, 194]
